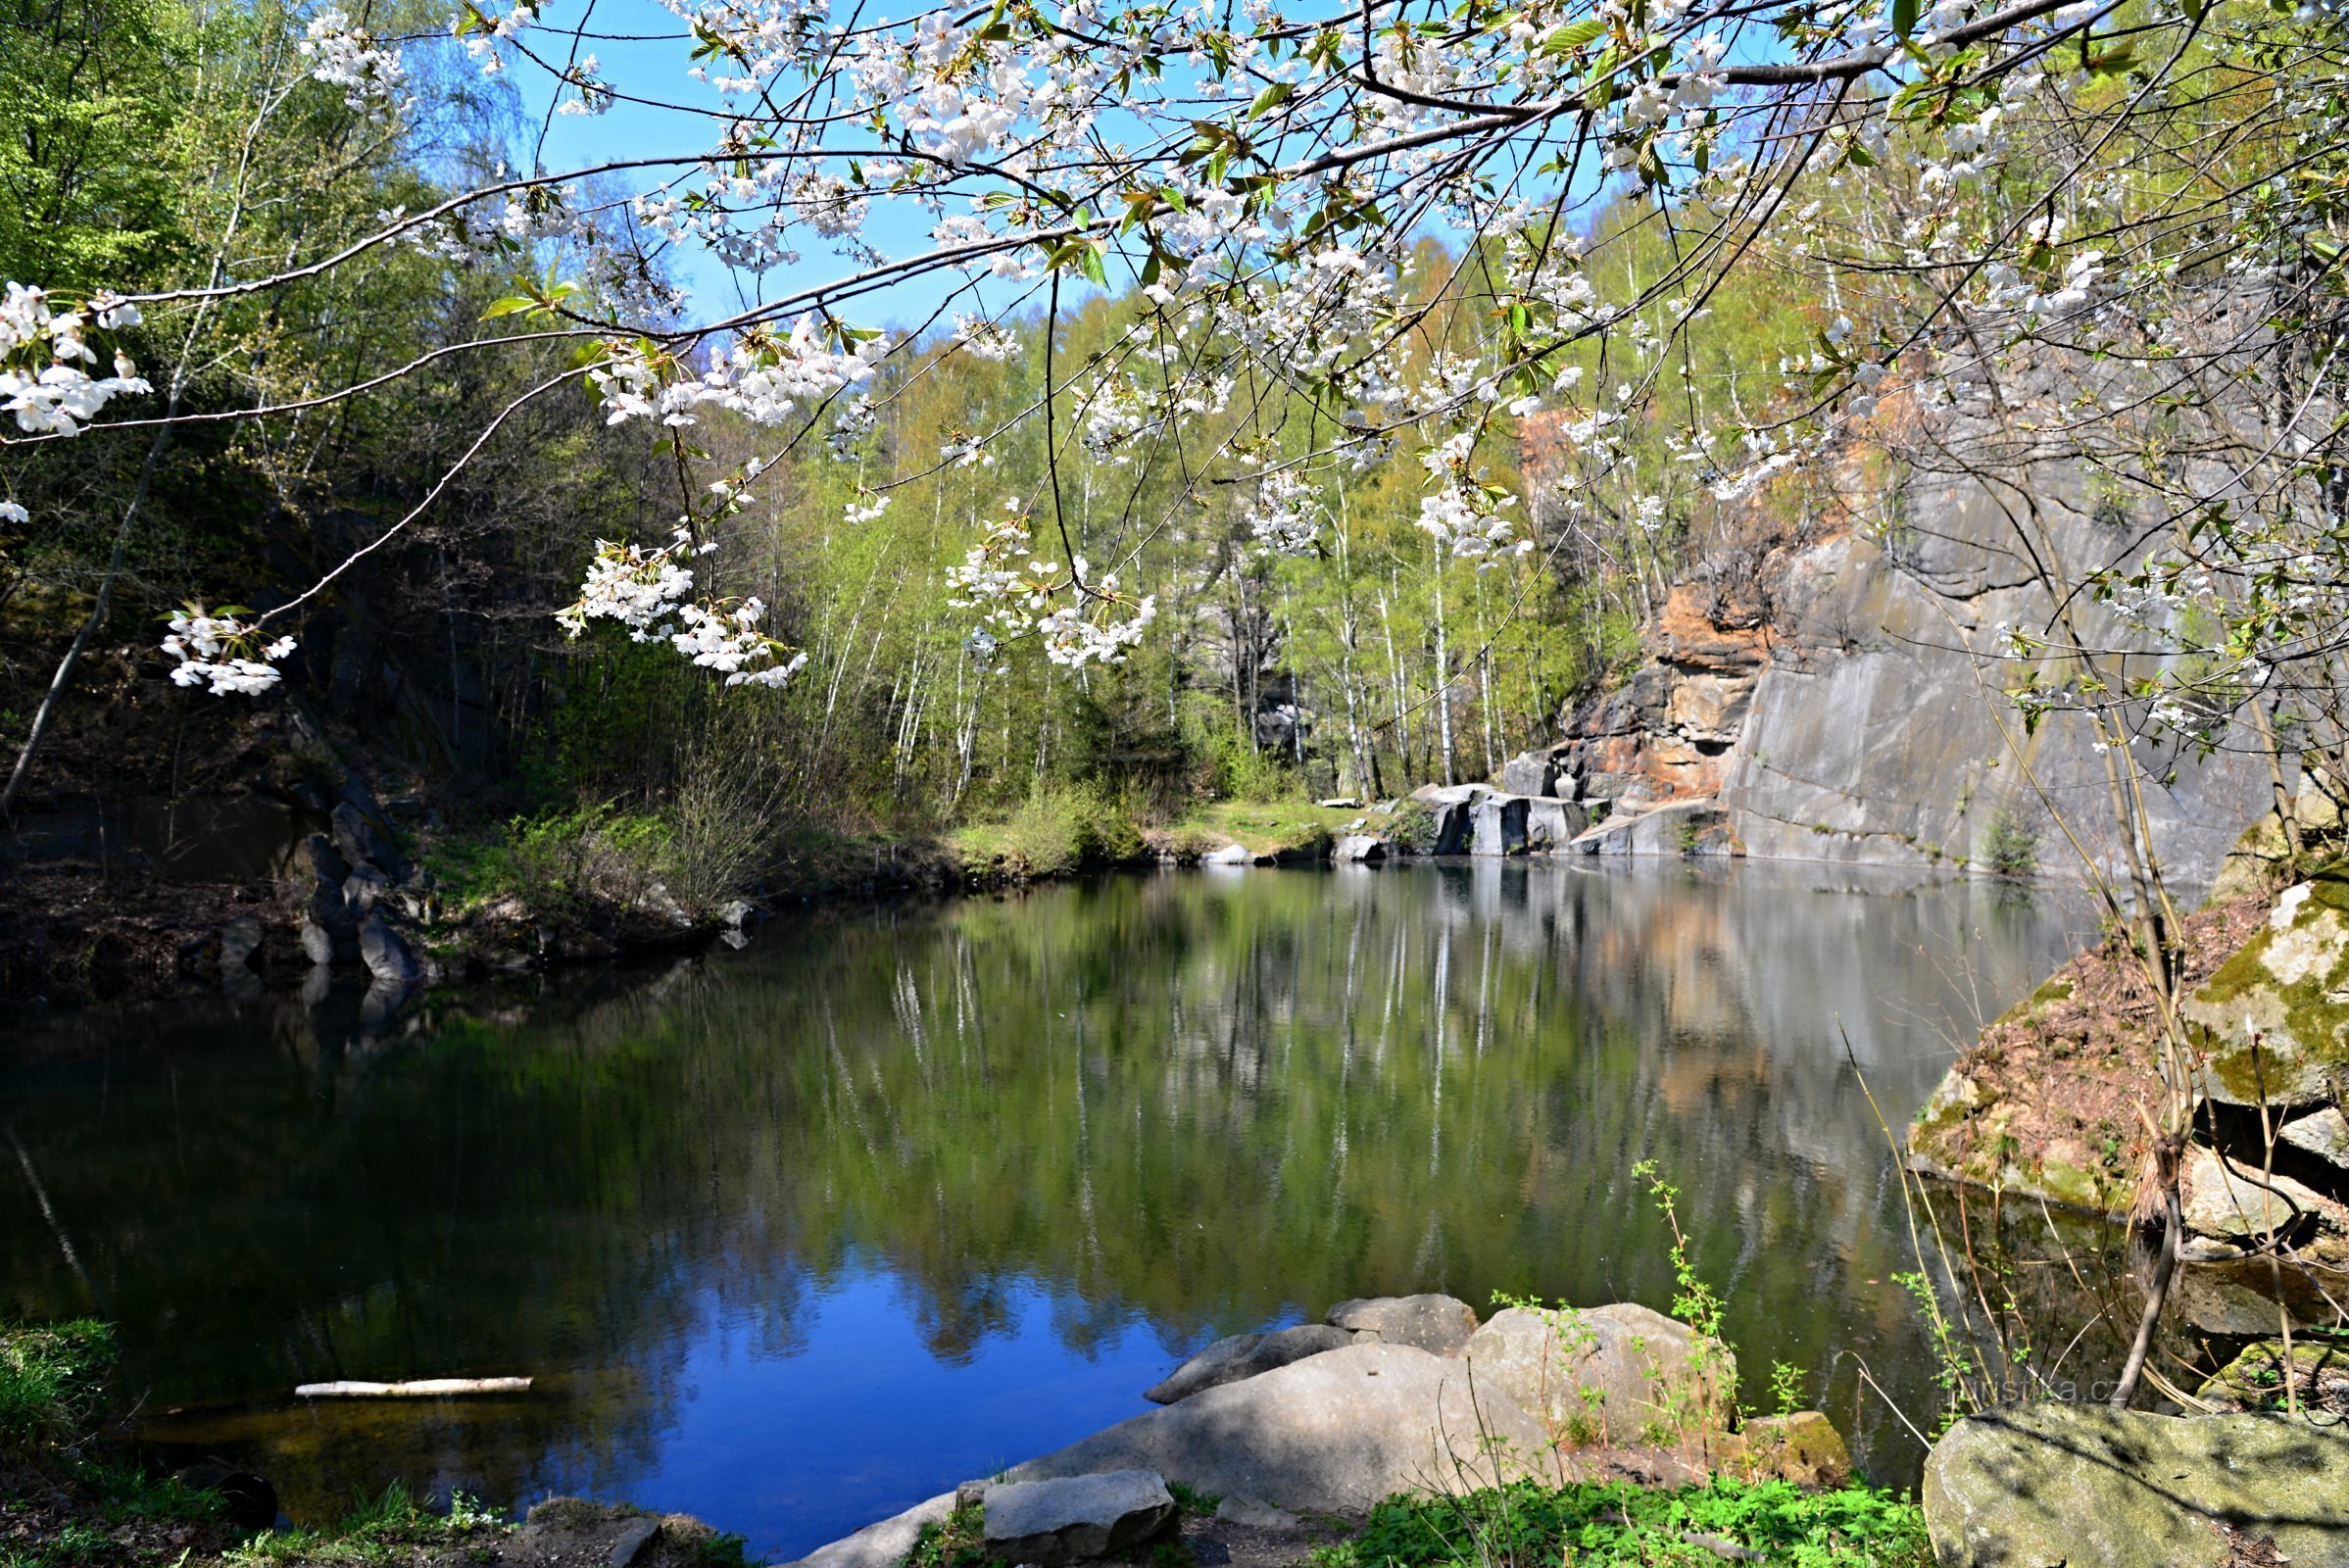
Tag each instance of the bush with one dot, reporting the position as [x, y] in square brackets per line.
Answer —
[1057, 829]
[702, 849]
[1616, 1522]
[1240, 770]
[2009, 847]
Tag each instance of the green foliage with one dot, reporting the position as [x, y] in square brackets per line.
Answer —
[1240, 771]
[1192, 1501]
[959, 1541]
[1058, 829]
[381, 1527]
[1527, 1525]
[696, 851]
[2010, 846]
[51, 1380]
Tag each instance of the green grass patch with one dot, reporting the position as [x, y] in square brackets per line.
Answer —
[1592, 1524]
[1263, 827]
[385, 1527]
[51, 1382]
[961, 1542]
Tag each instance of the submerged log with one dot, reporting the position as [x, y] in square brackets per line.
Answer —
[428, 1389]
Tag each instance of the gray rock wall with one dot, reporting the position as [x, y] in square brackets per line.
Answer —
[1881, 732]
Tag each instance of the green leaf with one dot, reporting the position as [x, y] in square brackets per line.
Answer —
[511, 305]
[1904, 18]
[1271, 98]
[1567, 40]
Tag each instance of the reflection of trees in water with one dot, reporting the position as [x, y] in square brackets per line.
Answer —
[1205, 1102]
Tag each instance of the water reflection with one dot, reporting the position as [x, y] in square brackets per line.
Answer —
[802, 1233]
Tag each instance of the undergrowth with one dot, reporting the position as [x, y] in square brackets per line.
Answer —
[51, 1380]
[1600, 1523]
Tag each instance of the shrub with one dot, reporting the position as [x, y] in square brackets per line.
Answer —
[701, 847]
[1057, 830]
[1241, 770]
[2009, 846]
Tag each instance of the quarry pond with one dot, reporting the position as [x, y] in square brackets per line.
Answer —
[794, 1236]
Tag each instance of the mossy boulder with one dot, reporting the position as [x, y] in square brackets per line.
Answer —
[2081, 1485]
[1964, 1135]
[2274, 1019]
[2255, 1380]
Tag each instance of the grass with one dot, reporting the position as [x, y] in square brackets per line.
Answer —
[1261, 827]
[1601, 1524]
[51, 1381]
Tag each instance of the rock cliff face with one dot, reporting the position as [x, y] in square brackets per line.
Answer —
[1846, 701]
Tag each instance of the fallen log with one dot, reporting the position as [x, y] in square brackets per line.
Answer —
[426, 1388]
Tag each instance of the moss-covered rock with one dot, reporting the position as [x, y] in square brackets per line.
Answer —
[2255, 1380]
[2080, 1485]
[2274, 1019]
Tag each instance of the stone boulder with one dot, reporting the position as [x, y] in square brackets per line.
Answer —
[240, 939]
[1254, 1513]
[2232, 1203]
[1365, 848]
[1611, 1375]
[884, 1545]
[1498, 826]
[1331, 1434]
[386, 952]
[1245, 1355]
[1553, 825]
[2275, 1018]
[1529, 774]
[359, 839]
[1803, 1447]
[2255, 1381]
[1229, 855]
[1074, 1517]
[1440, 1325]
[2324, 1135]
[2089, 1487]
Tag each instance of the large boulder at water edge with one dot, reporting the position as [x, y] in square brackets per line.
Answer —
[1438, 1324]
[1613, 1375]
[1498, 826]
[1061, 1521]
[1245, 1355]
[2275, 1018]
[2087, 1487]
[1332, 1433]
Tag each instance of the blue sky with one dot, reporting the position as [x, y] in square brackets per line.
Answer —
[653, 61]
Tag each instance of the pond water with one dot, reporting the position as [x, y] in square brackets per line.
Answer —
[796, 1236]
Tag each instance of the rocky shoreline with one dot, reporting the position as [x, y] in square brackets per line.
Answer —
[1318, 1423]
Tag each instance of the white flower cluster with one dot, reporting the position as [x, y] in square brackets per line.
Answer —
[2082, 285]
[1002, 579]
[987, 339]
[595, 96]
[1462, 512]
[760, 377]
[1284, 517]
[346, 55]
[224, 651]
[647, 590]
[43, 350]
[1075, 636]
